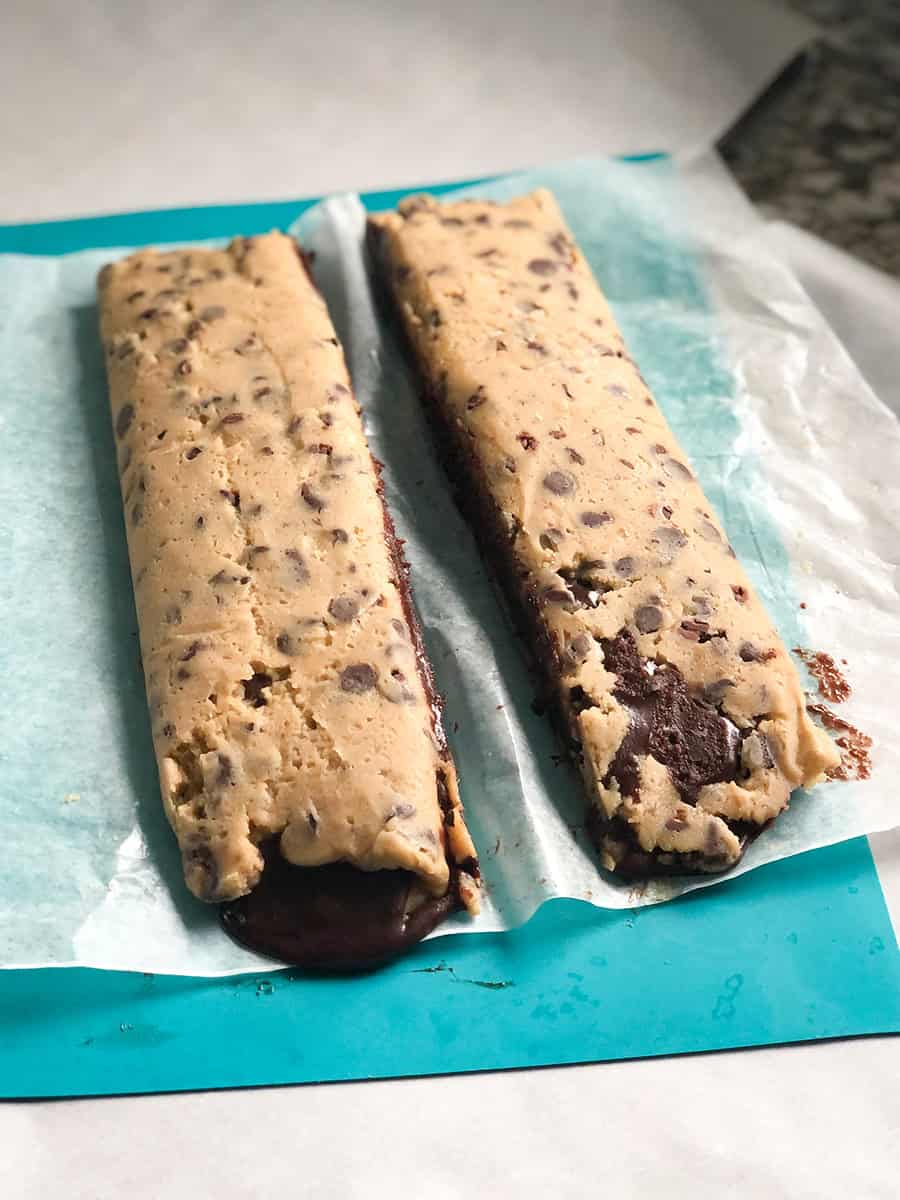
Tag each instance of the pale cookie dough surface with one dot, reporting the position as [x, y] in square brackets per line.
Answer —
[683, 706]
[287, 686]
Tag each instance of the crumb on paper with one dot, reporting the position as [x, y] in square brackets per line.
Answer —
[71, 797]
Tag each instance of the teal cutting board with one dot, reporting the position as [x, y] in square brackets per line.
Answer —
[799, 950]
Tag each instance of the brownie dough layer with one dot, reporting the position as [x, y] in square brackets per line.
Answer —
[291, 701]
[682, 706]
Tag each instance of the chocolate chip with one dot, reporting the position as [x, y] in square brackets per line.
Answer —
[675, 824]
[183, 368]
[538, 347]
[254, 687]
[261, 392]
[557, 433]
[572, 290]
[168, 730]
[137, 513]
[267, 451]
[550, 539]
[320, 448]
[253, 552]
[707, 530]
[648, 618]
[191, 651]
[500, 344]
[178, 346]
[233, 498]
[576, 652]
[476, 399]
[574, 456]
[312, 498]
[527, 441]
[542, 266]
[124, 419]
[755, 753]
[556, 595]
[670, 536]
[358, 678]
[516, 223]
[343, 608]
[199, 522]
[740, 593]
[666, 511]
[403, 811]
[286, 644]
[293, 425]
[750, 653]
[224, 773]
[296, 559]
[182, 674]
[193, 329]
[434, 318]
[339, 536]
[148, 314]
[398, 627]
[673, 467]
[714, 693]
[234, 418]
[135, 296]
[125, 350]
[626, 567]
[560, 483]
[172, 615]
[192, 453]
[593, 519]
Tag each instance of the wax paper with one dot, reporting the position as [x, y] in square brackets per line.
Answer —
[794, 450]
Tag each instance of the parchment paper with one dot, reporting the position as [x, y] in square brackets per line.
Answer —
[792, 447]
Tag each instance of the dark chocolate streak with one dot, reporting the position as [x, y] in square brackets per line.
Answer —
[460, 460]
[334, 918]
[686, 735]
[338, 917]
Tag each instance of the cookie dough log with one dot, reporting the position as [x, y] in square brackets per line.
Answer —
[681, 704]
[294, 715]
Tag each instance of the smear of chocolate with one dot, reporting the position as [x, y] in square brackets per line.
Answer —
[833, 686]
[854, 745]
[685, 734]
[334, 918]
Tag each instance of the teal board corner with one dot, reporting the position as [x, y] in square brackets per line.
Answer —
[800, 950]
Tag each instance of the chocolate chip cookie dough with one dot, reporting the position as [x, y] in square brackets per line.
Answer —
[301, 756]
[680, 701]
